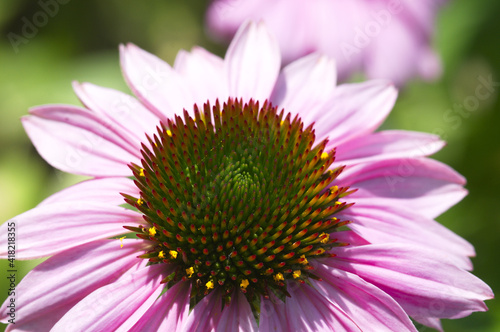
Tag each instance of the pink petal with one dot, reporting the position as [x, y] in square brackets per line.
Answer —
[154, 82]
[87, 120]
[53, 287]
[204, 72]
[75, 140]
[380, 38]
[105, 190]
[122, 110]
[238, 315]
[419, 184]
[273, 316]
[348, 237]
[308, 310]
[434, 323]
[332, 35]
[205, 315]
[387, 144]
[371, 308]
[381, 224]
[52, 228]
[226, 17]
[353, 110]
[117, 306]
[423, 281]
[394, 55]
[429, 67]
[252, 63]
[294, 39]
[168, 312]
[423, 15]
[305, 85]
[403, 50]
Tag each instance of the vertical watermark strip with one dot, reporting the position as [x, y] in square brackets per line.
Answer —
[11, 271]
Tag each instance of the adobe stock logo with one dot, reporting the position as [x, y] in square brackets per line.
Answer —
[31, 27]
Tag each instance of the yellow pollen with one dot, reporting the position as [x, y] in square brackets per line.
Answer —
[325, 238]
[338, 203]
[190, 272]
[140, 201]
[324, 156]
[334, 189]
[173, 254]
[209, 284]
[305, 260]
[169, 133]
[278, 277]
[244, 283]
[296, 274]
[320, 251]
[161, 254]
[281, 123]
[121, 241]
[141, 173]
[152, 231]
[202, 116]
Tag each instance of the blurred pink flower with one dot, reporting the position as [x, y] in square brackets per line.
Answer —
[239, 220]
[388, 39]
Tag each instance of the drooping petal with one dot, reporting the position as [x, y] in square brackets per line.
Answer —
[117, 306]
[381, 224]
[308, 310]
[122, 110]
[74, 140]
[53, 287]
[160, 88]
[430, 67]
[206, 314]
[168, 312]
[398, 47]
[434, 323]
[305, 85]
[389, 144]
[205, 73]
[371, 308]
[105, 190]
[419, 184]
[224, 11]
[52, 228]
[404, 43]
[234, 14]
[382, 39]
[353, 110]
[237, 316]
[273, 316]
[423, 281]
[252, 63]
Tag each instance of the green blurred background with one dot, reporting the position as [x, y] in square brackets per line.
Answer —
[80, 43]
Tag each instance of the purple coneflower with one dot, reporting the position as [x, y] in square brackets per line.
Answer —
[269, 205]
[387, 39]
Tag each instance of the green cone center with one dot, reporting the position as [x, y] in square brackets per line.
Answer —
[238, 197]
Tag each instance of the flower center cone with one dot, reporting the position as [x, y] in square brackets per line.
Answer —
[238, 197]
